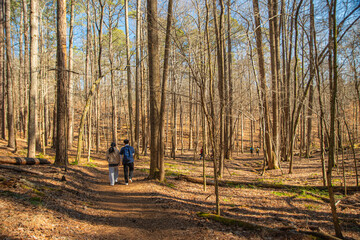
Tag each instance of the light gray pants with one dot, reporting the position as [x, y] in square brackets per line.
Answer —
[113, 174]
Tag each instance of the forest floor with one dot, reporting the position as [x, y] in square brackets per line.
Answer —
[85, 206]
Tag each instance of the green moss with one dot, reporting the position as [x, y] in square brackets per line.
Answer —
[281, 194]
[92, 165]
[37, 192]
[40, 155]
[311, 207]
[230, 221]
[170, 185]
[171, 173]
[36, 201]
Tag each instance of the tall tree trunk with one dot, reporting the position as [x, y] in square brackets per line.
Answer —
[9, 77]
[98, 93]
[2, 70]
[88, 69]
[154, 83]
[273, 35]
[333, 100]
[261, 62]
[34, 65]
[163, 91]
[220, 62]
[62, 86]
[70, 108]
[137, 77]
[128, 71]
[112, 85]
[230, 137]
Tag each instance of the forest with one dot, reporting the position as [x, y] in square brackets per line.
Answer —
[244, 117]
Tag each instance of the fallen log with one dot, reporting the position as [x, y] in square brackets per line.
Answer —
[23, 160]
[225, 183]
[17, 169]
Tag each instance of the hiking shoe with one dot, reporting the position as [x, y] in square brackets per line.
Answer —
[130, 180]
[126, 184]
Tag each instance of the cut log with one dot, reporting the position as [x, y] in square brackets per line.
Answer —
[23, 160]
[225, 183]
[17, 169]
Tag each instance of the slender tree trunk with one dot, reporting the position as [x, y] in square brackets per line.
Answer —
[62, 86]
[112, 84]
[88, 68]
[220, 62]
[9, 77]
[333, 100]
[163, 91]
[34, 65]
[154, 83]
[137, 77]
[261, 63]
[70, 109]
[274, 50]
[2, 70]
[230, 101]
[128, 71]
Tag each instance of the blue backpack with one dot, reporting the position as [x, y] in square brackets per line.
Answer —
[127, 154]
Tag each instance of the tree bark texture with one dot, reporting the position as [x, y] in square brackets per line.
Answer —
[154, 83]
[34, 69]
[70, 107]
[9, 78]
[62, 86]
[261, 63]
[2, 71]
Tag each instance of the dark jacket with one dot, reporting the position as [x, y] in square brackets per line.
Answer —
[128, 154]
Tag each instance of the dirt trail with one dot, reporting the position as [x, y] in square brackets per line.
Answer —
[135, 211]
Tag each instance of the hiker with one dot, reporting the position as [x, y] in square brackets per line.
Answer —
[113, 158]
[258, 151]
[201, 153]
[127, 152]
[251, 150]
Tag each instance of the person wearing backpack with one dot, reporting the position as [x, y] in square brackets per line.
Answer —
[127, 152]
[113, 158]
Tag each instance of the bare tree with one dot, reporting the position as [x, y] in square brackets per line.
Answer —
[2, 70]
[70, 107]
[9, 77]
[163, 91]
[34, 69]
[137, 77]
[128, 71]
[154, 83]
[62, 86]
[333, 100]
[258, 36]
[26, 64]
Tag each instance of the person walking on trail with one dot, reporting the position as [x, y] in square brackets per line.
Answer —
[201, 153]
[257, 151]
[113, 158]
[127, 152]
[251, 150]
